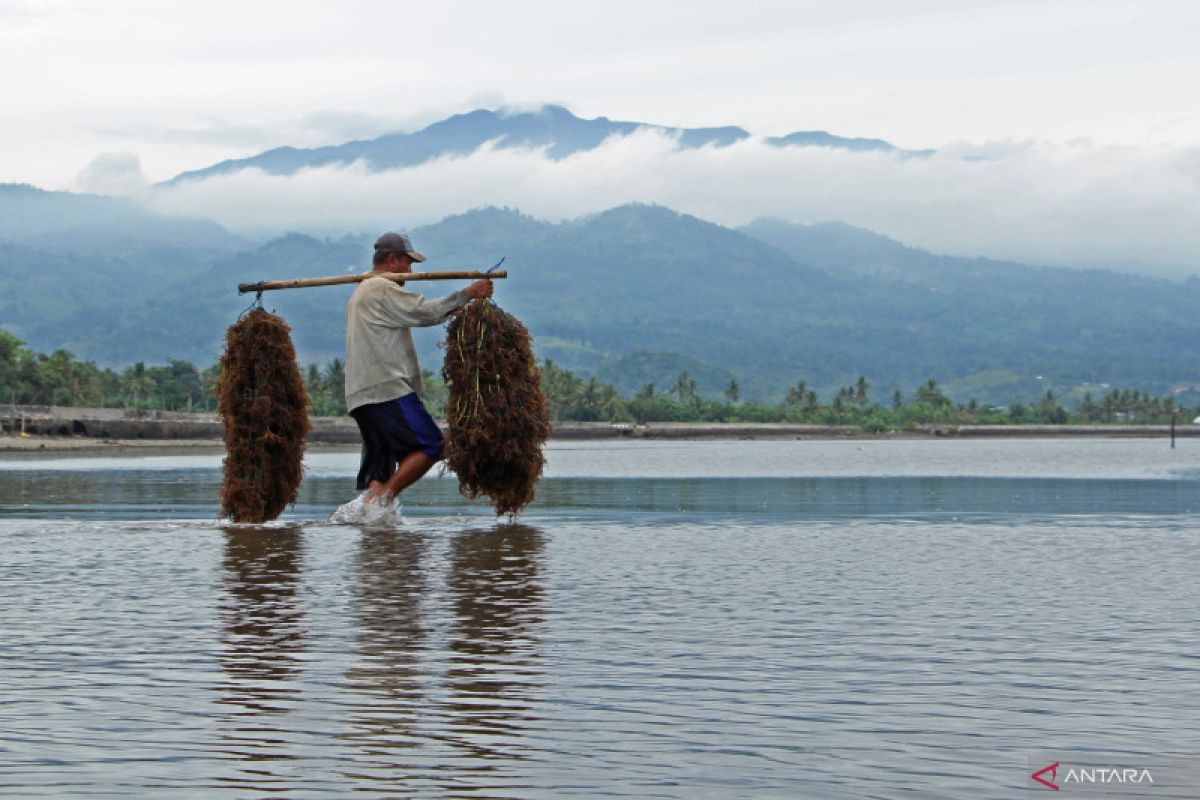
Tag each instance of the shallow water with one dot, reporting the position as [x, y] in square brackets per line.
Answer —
[752, 619]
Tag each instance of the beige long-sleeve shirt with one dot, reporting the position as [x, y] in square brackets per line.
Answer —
[381, 362]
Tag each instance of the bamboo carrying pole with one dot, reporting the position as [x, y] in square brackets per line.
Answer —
[399, 277]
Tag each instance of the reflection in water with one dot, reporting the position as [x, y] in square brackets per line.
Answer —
[463, 732]
[387, 673]
[494, 671]
[262, 644]
[866, 652]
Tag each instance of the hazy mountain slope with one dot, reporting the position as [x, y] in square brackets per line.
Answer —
[638, 293]
[70, 222]
[826, 139]
[960, 316]
[96, 275]
[841, 248]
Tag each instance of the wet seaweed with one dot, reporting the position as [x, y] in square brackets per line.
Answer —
[497, 412]
[263, 406]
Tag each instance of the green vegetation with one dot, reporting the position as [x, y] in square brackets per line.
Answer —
[60, 379]
[32, 378]
[326, 389]
[573, 398]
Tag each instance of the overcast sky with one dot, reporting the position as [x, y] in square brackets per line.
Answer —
[1078, 105]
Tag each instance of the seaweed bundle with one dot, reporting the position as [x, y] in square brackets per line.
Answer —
[263, 406]
[497, 412]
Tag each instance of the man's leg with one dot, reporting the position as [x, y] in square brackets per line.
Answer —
[408, 472]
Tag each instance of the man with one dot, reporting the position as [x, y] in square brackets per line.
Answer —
[400, 440]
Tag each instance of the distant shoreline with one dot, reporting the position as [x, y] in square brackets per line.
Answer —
[60, 429]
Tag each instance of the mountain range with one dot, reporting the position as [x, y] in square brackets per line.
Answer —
[632, 295]
[552, 128]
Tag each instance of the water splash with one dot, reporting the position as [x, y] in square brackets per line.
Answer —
[375, 514]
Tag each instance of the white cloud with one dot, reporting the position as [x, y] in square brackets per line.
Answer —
[187, 84]
[1077, 204]
[118, 174]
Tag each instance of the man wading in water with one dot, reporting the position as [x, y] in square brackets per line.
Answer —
[400, 440]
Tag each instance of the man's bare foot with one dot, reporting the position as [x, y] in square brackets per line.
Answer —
[379, 494]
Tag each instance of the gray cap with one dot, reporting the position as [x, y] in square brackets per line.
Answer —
[392, 242]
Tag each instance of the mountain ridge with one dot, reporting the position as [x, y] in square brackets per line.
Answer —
[552, 127]
[633, 293]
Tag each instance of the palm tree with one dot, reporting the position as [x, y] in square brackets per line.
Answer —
[10, 360]
[860, 391]
[796, 394]
[685, 389]
[208, 383]
[59, 378]
[733, 392]
[809, 404]
[138, 383]
[931, 394]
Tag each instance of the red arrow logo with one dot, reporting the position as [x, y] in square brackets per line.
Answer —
[1053, 770]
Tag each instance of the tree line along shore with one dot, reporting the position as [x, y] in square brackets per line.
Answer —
[29, 378]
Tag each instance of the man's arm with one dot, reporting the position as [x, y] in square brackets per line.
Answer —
[399, 308]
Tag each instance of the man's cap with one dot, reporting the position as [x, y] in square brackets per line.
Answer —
[392, 242]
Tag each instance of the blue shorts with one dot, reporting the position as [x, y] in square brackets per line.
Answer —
[390, 431]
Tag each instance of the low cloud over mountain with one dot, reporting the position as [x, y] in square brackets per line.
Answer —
[1076, 204]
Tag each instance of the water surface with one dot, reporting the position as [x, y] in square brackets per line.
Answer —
[752, 619]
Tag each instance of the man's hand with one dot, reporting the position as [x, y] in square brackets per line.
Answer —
[480, 288]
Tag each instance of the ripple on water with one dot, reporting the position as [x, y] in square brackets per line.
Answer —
[674, 638]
